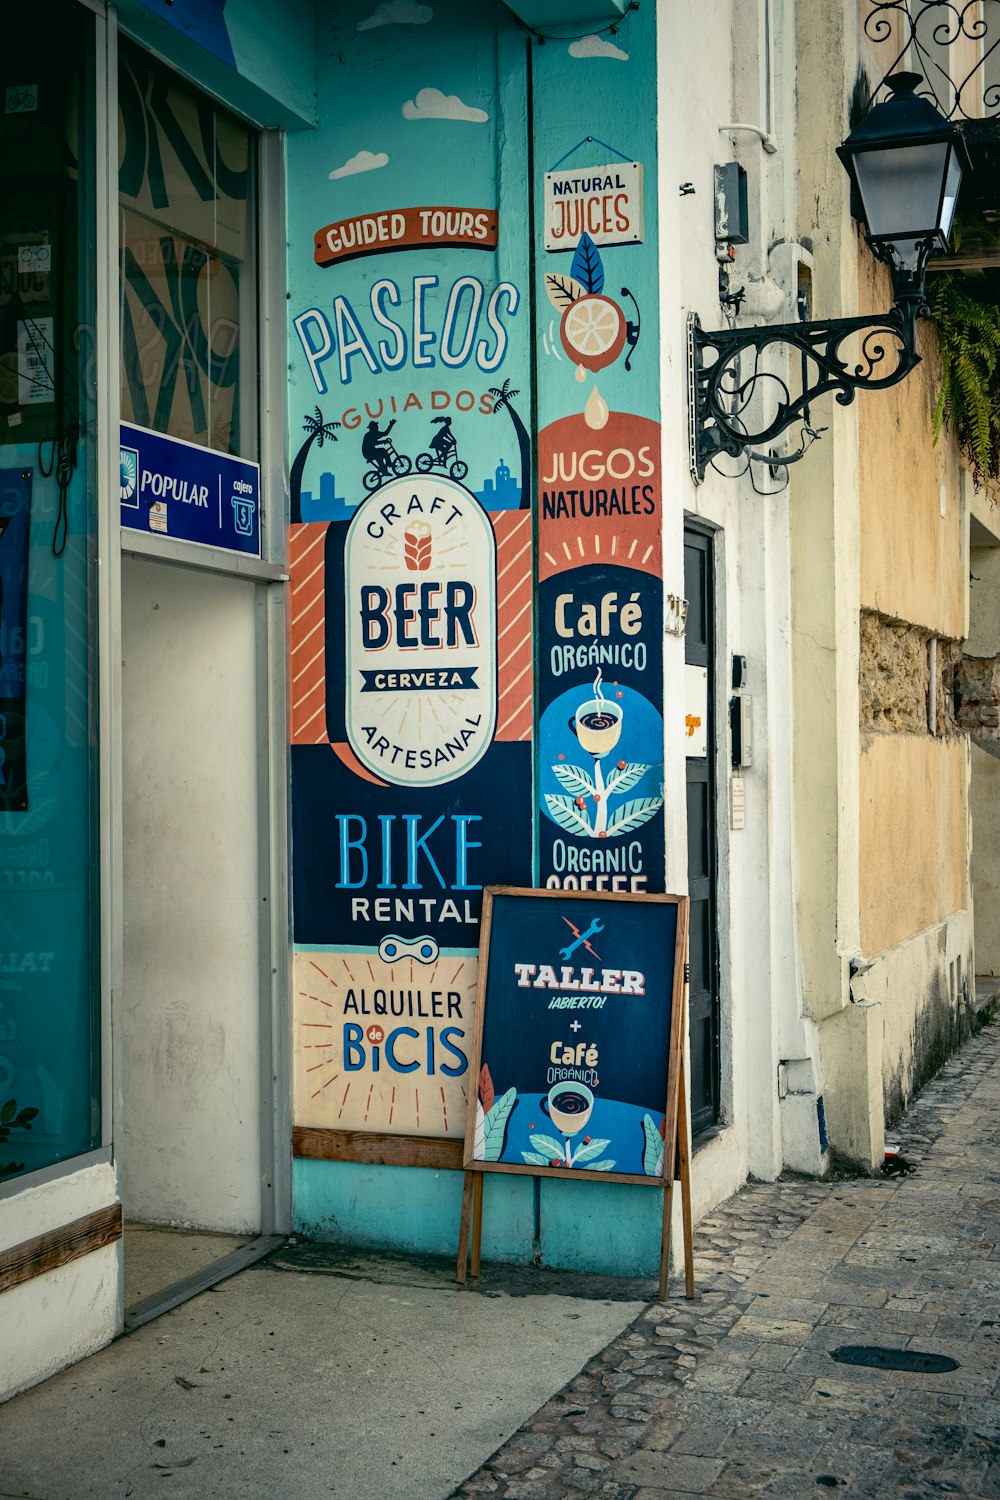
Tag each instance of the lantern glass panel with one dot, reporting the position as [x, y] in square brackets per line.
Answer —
[952, 184]
[901, 189]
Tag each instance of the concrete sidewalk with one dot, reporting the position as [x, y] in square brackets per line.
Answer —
[738, 1394]
[302, 1378]
[318, 1374]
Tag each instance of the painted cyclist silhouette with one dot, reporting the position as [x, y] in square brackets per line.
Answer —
[378, 450]
[443, 452]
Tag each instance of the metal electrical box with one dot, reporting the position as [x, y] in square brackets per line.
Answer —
[732, 219]
[741, 730]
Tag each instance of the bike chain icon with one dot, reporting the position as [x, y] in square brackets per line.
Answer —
[424, 949]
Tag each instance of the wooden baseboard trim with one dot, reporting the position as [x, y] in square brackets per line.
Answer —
[438, 1152]
[46, 1252]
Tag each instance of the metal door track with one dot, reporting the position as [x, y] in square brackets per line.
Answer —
[199, 1281]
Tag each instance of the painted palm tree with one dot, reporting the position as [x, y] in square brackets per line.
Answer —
[318, 431]
[503, 398]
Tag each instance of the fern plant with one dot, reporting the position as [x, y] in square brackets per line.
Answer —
[966, 313]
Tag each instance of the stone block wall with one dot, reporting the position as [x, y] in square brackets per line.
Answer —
[977, 700]
[895, 679]
[894, 676]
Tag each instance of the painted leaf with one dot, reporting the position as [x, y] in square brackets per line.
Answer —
[628, 777]
[600, 1166]
[479, 1143]
[576, 780]
[8, 1111]
[563, 291]
[652, 1154]
[534, 1160]
[547, 1146]
[634, 814]
[487, 1093]
[565, 812]
[587, 1153]
[587, 266]
[495, 1126]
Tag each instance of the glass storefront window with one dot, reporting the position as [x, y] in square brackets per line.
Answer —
[49, 928]
[186, 171]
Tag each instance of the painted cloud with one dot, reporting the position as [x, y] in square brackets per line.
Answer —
[596, 46]
[397, 13]
[431, 104]
[362, 161]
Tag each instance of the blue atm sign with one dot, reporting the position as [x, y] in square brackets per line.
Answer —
[172, 488]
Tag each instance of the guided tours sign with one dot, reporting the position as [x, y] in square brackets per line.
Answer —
[405, 229]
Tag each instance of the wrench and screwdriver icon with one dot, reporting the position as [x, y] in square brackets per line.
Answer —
[581, 939]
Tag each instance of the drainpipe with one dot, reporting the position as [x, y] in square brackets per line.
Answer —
[932, 685]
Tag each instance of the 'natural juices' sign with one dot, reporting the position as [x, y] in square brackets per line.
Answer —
[602, 202]
[421, 632]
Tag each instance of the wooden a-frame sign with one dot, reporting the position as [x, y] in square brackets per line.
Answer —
[577, 1057]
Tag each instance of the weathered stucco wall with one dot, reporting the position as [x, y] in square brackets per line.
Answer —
[825, 541]
[979, 682]
[912, 522]
[921, 994]
[985, 863]
[913, 981]
[914, 890]
[984, 602]
[914, 830]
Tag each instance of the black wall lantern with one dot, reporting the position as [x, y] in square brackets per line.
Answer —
[905, 162]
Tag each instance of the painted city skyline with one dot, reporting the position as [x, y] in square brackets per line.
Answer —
[499, 491]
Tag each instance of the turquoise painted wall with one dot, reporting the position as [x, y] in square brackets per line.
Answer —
[421, 105]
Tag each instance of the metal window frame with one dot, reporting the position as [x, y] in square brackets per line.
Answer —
[265, 576]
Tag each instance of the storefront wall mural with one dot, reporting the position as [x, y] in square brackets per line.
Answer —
[475, 458]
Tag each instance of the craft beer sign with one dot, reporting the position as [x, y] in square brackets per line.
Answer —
[603, 202]
[421, 632]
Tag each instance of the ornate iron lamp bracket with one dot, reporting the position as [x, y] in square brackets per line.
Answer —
[735, 406]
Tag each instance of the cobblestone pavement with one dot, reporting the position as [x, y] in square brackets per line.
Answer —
[736, 1394]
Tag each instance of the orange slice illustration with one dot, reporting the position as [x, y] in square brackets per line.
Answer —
[593, 331]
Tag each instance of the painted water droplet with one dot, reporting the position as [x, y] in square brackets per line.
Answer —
[596, 413]
[581, 374]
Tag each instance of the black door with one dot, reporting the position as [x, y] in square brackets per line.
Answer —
[699, 586]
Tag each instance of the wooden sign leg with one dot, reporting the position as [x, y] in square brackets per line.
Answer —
[668, 1204]
[463, 1225]
[684, 1165]
[477, 1221]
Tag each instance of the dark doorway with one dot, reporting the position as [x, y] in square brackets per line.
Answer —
[699, 587]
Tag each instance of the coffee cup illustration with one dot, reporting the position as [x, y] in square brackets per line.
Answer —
[568, 1106]
[597, 724]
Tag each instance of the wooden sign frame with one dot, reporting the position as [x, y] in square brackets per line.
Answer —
[676, 1154]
